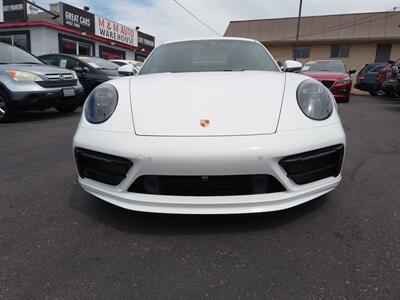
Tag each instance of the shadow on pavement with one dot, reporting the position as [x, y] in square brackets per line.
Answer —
[33, 116]
[164, 224]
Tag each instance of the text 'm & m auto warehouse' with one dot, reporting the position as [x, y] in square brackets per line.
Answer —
[66, 29]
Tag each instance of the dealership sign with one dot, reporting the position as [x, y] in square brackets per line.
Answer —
[116, 31]
[146, 41]
[76, 18]
[12, 10]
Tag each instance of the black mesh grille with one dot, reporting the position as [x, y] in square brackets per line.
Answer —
[57, 83]
[327, 83]
[206, 185]
[314, 165]
[101, 167]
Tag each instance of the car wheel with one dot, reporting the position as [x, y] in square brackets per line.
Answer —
[7, 112]
[380, 93]
[67, 107]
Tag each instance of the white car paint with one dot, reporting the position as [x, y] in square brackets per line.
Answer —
[255, 121]
[125, 62]
[234, 102]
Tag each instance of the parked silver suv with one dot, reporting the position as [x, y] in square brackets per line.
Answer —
[26, 83]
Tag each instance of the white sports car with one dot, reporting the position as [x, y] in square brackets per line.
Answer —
[210, 126]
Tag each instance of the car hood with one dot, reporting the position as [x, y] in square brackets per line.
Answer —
[234, 103]
[36, 69]
[324, 75]
[113, 73]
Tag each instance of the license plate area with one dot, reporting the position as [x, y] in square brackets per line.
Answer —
[68, 92]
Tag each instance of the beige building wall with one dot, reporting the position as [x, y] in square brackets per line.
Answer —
[395, 54]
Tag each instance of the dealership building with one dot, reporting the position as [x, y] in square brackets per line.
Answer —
[70, 30]
[356, 39]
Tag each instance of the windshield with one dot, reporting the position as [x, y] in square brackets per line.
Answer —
[99, 63]
[328, 66]
[13, 55]
[209, 56]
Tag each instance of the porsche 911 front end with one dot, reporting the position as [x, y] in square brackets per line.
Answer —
[203, 130]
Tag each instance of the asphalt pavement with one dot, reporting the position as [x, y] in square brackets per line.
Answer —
[58, 242]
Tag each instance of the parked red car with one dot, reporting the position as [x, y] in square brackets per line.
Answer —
[382, 76]
[333, 74]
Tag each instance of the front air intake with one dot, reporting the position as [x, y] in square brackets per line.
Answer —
[230, 185]
[314, 165]
[105, 168]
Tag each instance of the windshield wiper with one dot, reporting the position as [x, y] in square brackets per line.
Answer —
[233, 70]
[28, 63]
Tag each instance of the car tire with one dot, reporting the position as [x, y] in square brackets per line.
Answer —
[346, 100]
[67, 107]
[378, 93]
[8, 113]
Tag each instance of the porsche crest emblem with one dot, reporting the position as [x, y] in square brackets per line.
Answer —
[204, 122]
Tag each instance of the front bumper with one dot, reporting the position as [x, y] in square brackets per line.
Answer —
[389, 86]
[341, 91]
[210, 156]
[365, 86]
[30, 95]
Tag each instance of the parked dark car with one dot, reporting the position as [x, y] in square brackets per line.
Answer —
[367, 79]
[390, 79]
[92, 71]
[26, 83]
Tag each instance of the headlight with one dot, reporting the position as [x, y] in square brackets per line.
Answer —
[101, 103]
[74, 75]
[23, 76]
[344, 80]
[314, 100]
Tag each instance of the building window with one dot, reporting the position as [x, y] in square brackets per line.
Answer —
[301, 52]
[340, 50]
[74, 46]
[18, 39]
[68, 47]
[84, 49]
[110, 53]
[383, 52]
[140, 57]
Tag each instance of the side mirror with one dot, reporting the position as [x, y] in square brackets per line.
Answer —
[292, 66]
[79, 70]
[126, 70]
[352, 71]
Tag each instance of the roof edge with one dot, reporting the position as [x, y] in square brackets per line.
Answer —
[314, 16]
